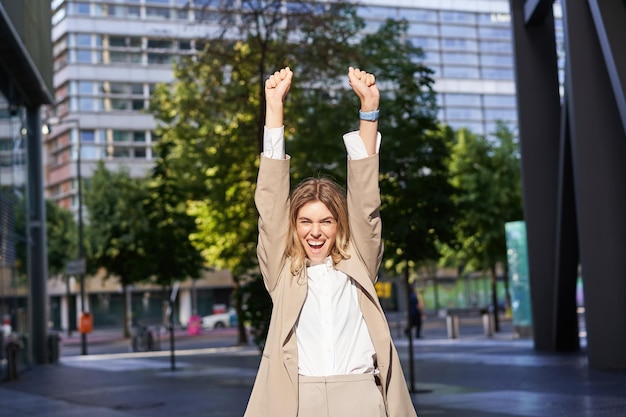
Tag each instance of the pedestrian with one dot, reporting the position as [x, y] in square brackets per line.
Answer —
[328, 351]
[415, 314]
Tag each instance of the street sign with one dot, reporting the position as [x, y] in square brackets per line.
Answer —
[75, 267]
[174, 291]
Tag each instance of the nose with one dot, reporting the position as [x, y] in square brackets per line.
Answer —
[316, 230]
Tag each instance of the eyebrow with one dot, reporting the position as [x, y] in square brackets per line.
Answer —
[324, 219]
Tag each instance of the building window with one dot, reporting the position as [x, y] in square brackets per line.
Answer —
[462, 100]
[459, 58]
[83, 39]
[458, 44]
[458, 31]
[425, 42]
[494, 33]
[422, 29]
[458, 17]
[419, 15]
[492, 100]
[87, 144]
[83, 56]
[157, 13]
[497, 73]
[460, 72]
[382, 13]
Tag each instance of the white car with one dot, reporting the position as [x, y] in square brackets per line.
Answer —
[220, 320]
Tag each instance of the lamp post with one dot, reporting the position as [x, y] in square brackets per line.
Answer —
[81, 246]
[77, 266]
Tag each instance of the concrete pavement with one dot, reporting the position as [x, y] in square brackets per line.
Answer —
[470, 377]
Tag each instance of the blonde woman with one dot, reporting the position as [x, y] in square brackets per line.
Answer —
[329, 351]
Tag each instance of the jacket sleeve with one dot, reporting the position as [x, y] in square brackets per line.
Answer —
[272, 201]
[364, 212]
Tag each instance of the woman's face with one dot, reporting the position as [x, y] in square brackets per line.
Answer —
[317, 230]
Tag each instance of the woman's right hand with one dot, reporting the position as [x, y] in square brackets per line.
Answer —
[276, 88]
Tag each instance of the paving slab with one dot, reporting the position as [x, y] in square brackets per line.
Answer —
[472, 376]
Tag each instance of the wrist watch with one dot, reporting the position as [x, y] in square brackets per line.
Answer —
[369, 115]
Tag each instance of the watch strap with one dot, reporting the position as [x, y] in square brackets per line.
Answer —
[369, 115]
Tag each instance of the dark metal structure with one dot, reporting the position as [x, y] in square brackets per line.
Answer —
[26, 82]
[574, 172]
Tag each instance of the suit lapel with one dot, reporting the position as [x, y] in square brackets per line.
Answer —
[295, 294]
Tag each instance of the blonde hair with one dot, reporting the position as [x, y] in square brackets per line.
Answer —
[333, 197]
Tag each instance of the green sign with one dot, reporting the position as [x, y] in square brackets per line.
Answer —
[517, 257]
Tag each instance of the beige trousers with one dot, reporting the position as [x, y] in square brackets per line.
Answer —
[340, 396]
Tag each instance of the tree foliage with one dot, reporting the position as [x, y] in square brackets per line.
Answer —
[415, 181]
[212, 118]
[486, 173]
[208, 128]
[168, 250]
[61, 237]
[117, 228]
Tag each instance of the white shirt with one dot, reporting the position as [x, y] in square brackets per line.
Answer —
[331, 332]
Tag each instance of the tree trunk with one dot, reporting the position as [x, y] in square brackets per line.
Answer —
[408, 289]
[507, 293]
[494, 299]
[242, 338]
[127, 311]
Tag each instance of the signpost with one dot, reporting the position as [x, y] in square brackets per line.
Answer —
[75, 267]
[171, 316]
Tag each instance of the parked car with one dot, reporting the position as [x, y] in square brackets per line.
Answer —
[220, 320]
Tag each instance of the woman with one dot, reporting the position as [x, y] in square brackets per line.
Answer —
[328, 350]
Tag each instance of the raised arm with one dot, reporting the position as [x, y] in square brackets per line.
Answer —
[276, 88]
[364, 85]
[272, 191]
[363, 190]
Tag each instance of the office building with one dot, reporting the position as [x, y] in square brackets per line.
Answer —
[25, 86]
[109, 55]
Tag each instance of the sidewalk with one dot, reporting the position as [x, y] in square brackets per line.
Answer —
[473, 376]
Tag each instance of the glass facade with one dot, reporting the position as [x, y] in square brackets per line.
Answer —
[106, 67]
[468, 44]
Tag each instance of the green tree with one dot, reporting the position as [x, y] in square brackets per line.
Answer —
[212, 117]
[415, 180]
[209, 128]
[61, 238]
[117, 227]
[213, 114]
[486, 173]
[415, 187]
[169, 252]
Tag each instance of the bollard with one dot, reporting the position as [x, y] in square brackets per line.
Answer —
[54, 342]
[488, 325]
[149, 342]
[452, 325]
[13, 349]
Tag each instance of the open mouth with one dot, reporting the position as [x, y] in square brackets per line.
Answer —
[315, 245]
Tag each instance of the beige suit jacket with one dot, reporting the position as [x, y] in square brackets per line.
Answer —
[275, 391]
